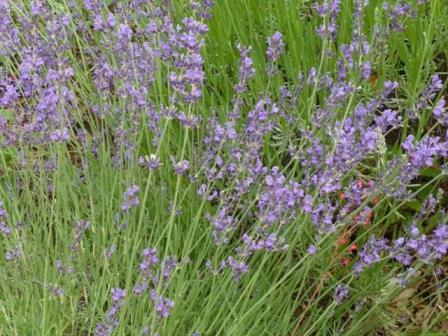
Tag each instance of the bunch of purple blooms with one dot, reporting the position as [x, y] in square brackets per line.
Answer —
[157, 273]
[329, 157]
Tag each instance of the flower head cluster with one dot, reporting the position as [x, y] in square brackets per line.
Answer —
[13, 253]
[150, 162]
[156, 273]
[401, 10]
[341, 293]
[280, 198]
[183, 49]
[162, 305]
[180, 167]
[426, 248]
[130, 198]
[422, 153]
[439, 112]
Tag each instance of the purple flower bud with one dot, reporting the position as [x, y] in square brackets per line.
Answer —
[110, 251]
[13, 254]
[312, 249]
[238, 267]
[168, 266]
[9, 96]
[103, 329]
[111, 20]
[389, 87]
[341, 293]
[118, 294]
[60, 135]
[130, 198]
[149, 259]
[366, 70]
[140, 288]
[163, 305]
[124, 33]
[439, 108]
[57, 291]
[151, 162]
[388, 118]
[180, 167]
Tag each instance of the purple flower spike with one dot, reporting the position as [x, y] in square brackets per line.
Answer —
[246, 70]
[106, 328]
[150, 259]
[275, 47]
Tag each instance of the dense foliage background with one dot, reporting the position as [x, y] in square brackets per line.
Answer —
[241, 167]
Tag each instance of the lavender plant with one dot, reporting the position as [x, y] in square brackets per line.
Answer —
[199, 168]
